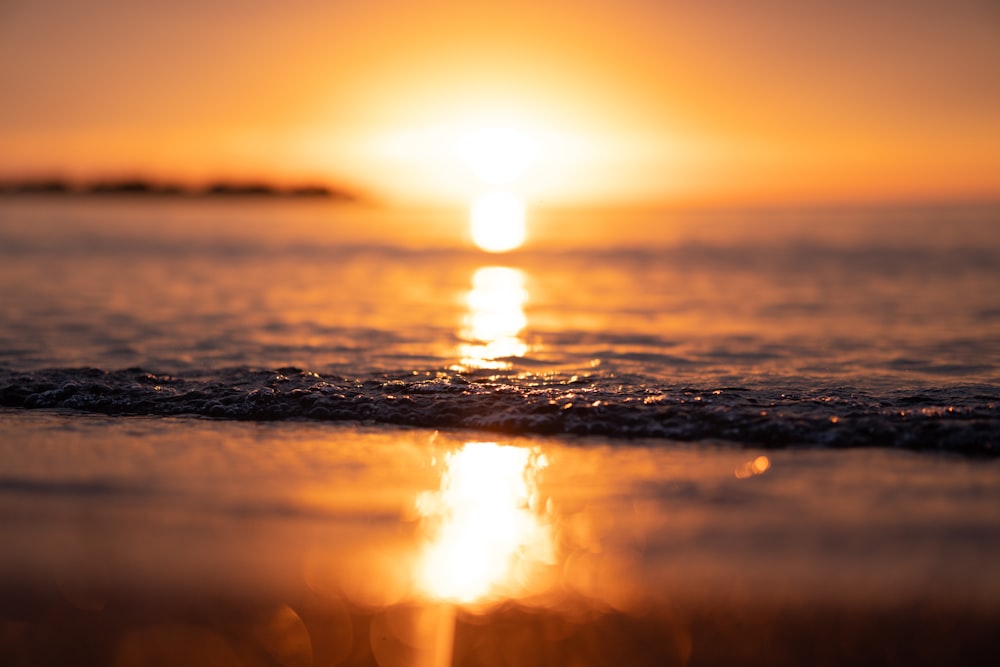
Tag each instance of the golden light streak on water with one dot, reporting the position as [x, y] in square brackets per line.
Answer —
[485, 524]
[495, 319]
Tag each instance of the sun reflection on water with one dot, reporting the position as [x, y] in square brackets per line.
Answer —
[495, 319]
[485, 524]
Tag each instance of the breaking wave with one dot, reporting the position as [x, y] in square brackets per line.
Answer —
[961, 419]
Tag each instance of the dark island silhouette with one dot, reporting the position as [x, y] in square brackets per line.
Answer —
[143, 187]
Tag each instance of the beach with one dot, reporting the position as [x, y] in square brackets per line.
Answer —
[297, 543]
[292, 436]
[499, 334]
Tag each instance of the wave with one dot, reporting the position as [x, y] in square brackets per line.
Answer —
[962, 419]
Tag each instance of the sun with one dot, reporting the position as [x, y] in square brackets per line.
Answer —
[498, 221]
[498, 155]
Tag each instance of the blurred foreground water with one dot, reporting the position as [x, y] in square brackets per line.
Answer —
[329, 435]
[214, 542]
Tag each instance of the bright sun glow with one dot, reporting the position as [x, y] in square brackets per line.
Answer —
[498, 155]
[498, 221]
[484, 522]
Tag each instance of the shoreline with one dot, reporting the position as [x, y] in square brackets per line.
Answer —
[295, 543]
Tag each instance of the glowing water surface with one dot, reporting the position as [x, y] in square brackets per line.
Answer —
[485, 524]
[334, 544]
[495, 319]
[410, 547]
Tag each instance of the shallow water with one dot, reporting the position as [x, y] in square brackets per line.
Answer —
[250, 433]
[877, 327]
[168, 527]
[685, 519]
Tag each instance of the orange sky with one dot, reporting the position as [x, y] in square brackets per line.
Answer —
[714, 102]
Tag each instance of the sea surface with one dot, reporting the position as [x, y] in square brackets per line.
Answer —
[841, 328]
[268, 431]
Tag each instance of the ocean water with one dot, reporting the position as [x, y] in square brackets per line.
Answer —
[836, 328]
[293, 433]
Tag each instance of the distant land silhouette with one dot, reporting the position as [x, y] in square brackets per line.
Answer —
[141, 187]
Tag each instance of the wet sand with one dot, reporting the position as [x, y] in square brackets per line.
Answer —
[127, 629]
[170, 541]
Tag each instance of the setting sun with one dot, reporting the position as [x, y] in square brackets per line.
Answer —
[498, 221]
[720, 279]
[498, 155]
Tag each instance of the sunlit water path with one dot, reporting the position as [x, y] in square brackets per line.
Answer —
[363, 541]
[294, 435]
[857, 329]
